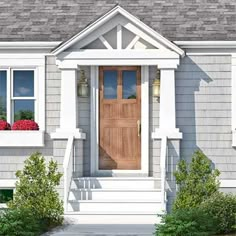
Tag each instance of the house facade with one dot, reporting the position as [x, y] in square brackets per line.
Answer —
[119, 102]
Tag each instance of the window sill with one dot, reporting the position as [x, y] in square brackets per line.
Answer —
[22, 138]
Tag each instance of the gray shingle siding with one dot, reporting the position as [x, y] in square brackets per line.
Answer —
[203, 101]
[58, 20]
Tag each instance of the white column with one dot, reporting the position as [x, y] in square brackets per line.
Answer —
[68, 115]
[167, 100]
[68, 111]
[167, 125]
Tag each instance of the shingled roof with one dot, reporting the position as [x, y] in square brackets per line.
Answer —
[58, 20]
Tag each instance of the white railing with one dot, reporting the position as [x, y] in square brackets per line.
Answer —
[163, 161]
[68, 169]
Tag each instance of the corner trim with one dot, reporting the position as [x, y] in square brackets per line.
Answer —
[233, 97]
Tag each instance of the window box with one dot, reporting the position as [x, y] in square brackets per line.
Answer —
[20, 138]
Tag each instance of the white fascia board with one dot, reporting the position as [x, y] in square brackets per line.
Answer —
[119, 54]
[29, 45]
[161, 63]
[118, 10]
[206, 44]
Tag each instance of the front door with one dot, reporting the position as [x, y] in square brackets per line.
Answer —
[120, 118]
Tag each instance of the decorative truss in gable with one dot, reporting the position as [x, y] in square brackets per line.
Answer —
[118, 30]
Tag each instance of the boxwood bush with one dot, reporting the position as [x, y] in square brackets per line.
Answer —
[197, 181]
[222, 207]
[36, 192]
[187, 222]
[199, 208]
[19, 222]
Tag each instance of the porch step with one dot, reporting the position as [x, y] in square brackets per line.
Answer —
[116, 183]
[115, 205]
[109, 194]
[112, 217]
[107, 200]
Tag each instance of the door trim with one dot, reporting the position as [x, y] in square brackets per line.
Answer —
[94, 127]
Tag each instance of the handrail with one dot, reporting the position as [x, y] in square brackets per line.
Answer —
[163, 160]
[68, 169]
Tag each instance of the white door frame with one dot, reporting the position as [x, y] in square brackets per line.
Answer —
[94, 125]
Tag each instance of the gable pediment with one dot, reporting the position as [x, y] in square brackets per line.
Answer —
[118, 30]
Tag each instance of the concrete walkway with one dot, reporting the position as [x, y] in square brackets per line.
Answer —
[104, 230]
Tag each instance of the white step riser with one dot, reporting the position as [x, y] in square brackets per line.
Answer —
[116, 206]
[114, 195]
[116, 184]
[113, 219]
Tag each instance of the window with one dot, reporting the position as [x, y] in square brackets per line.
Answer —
[3, 95]
[6, 195]
[129, 84]
[23, 95]
[17, 94]
[110, 84]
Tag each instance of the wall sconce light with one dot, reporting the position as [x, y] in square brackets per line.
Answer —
[83, 85]
[156, 86]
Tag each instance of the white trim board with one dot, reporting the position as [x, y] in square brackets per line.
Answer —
[233, 106]
[206, 44]
[7, 183]
[228, 183]
[32, 45]
[94, 126]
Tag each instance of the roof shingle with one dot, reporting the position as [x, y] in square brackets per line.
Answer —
[58, 20]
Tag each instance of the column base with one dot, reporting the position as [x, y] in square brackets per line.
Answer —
[170, 134]
[66, 133]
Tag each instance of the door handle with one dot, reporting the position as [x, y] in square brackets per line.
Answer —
[139, 127]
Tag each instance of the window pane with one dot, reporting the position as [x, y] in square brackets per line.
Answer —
[110, 84]
[6, 195]
[3, 95]
[23, 110]
[23, 83]
[129, 85]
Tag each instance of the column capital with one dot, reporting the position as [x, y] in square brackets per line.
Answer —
[67, 65]
[168, 65]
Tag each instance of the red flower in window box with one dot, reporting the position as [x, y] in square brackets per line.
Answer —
[4, 125]
[25, 125]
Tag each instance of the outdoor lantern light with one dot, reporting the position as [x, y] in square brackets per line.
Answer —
[83, 85]
[156, 85]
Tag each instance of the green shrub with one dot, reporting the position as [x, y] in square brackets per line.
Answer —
[222, 207]
[19, 222]
[36, 190]
[186, 222]
[196, 181]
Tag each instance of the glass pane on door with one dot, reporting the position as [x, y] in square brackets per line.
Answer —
[110, 84]
[129, 84]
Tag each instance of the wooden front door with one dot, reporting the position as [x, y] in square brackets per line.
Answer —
[120, 118]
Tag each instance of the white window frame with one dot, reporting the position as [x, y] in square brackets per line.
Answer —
[12, 98]
[6, 91]
[38, 114]
[25, 61]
